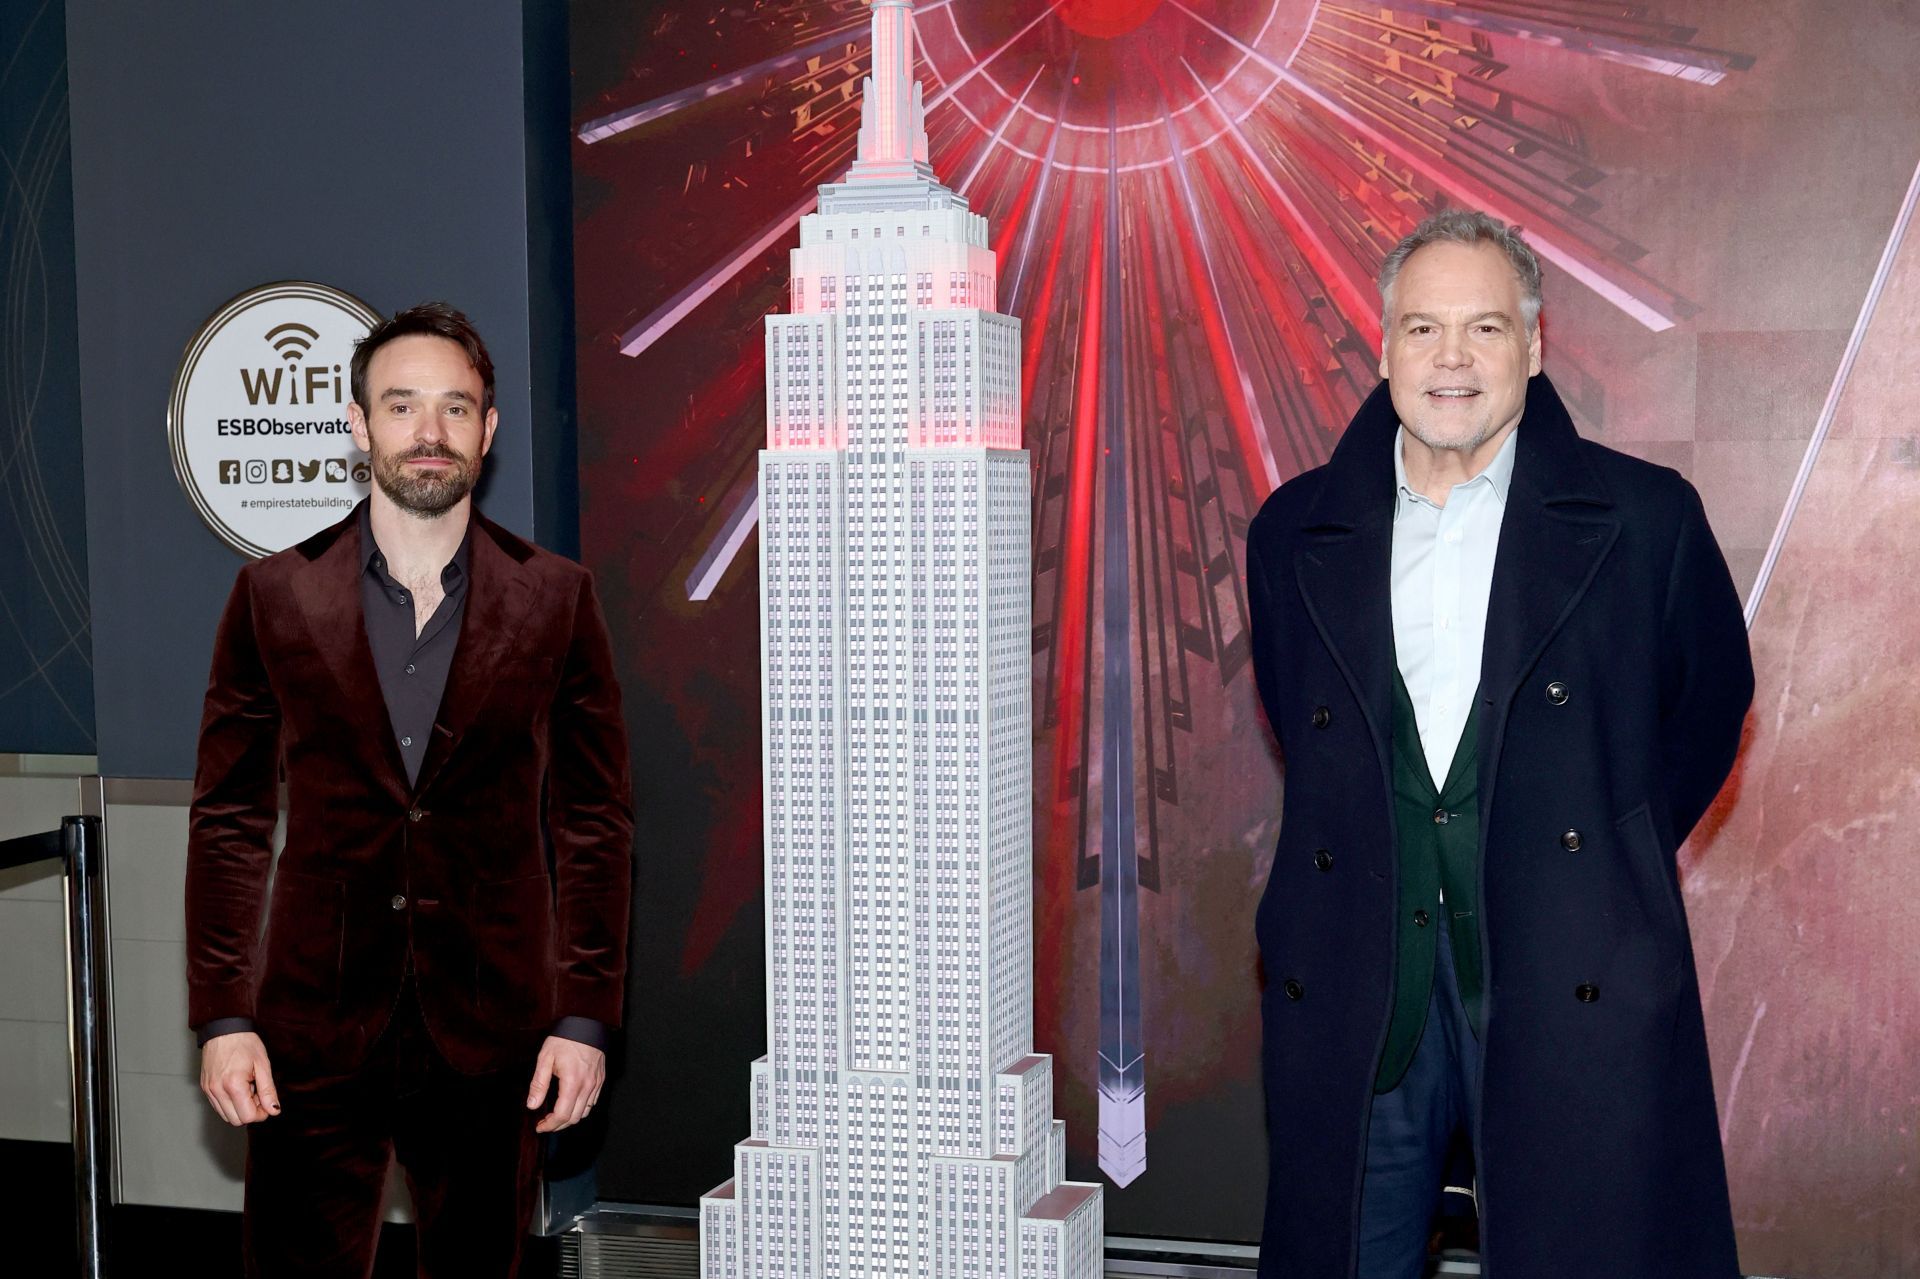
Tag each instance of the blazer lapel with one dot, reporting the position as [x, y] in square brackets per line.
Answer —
[1557, 530]
[497, 601]
[327, 587]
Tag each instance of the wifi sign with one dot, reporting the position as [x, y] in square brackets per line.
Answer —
[261, 399]
[293, 340]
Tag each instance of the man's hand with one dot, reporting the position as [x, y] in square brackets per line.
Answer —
[236, 1078]
[578, 1070]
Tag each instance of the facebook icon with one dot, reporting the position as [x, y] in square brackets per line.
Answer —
[230, 472]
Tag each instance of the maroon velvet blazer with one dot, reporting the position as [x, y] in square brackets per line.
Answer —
[529, 757]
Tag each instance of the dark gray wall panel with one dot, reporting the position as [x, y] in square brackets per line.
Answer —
[378, 147]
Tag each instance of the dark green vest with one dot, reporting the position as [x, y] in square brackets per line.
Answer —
[1439, 831]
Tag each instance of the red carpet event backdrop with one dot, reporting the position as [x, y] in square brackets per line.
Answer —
[1720, 189]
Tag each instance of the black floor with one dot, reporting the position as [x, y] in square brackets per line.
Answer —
[36, 1200]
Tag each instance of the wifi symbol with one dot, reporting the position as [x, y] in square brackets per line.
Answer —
[288, 340]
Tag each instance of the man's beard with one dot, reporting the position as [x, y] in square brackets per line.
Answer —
[1443, 432]
[1456, 443]
[430, 492]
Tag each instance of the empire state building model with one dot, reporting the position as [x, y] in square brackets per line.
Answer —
[902, 1123]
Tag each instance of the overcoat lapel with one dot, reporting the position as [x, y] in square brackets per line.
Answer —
[1557, 530]
[1355, 621]
[1346, 564]
[497, 601]
[327, 587]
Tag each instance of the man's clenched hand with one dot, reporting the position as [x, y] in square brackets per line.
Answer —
[577, 1070]
[236, 1078]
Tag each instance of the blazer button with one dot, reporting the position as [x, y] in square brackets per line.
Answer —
[1322, 860]
[1557, 693]
[399, 902]
[1571, 841]
[1420, 918]
[1440, 816]
[1294, 989]
[415, 814]
[1322, 717]
[1586, 993]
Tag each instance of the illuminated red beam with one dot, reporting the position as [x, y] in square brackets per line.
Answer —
[954, 86]
[1352, 301]
[1308, 362]
[1331, 170]
[1558, 244]
[1075, 566]
[1010, 220]
[618, 122]
[682, 304]
[664, 317]
[1262, 473]
[1012, 294]
[1156, 326]
[1036, 332]
[993, 139]
[948, 150]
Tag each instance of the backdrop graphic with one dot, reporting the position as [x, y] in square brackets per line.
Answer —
[46, 639]
[1713, 185]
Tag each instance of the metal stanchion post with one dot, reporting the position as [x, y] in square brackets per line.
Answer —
[76, 845]
[86, 944]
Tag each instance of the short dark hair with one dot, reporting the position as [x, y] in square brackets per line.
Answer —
[433, 319]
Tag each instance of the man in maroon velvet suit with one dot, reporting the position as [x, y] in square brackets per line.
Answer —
[446, 932]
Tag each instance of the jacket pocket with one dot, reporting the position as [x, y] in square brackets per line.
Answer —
[1648, 871]
[535, 672]
[306, 936]
[513, 964]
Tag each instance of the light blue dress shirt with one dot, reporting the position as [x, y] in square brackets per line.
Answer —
[1442, 577]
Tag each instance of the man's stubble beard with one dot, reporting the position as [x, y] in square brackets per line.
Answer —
[1441, 444]
[425, 493]
[1482, 431]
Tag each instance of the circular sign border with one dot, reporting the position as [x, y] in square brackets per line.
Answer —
[223, 315]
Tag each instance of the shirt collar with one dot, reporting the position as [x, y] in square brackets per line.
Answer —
[375, 562]
[1498, 476]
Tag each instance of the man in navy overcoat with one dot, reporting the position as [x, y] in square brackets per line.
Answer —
[1508, 671]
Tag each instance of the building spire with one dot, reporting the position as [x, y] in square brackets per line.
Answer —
[893, 125]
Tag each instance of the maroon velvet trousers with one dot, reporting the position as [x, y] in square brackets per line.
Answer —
[315, 1171]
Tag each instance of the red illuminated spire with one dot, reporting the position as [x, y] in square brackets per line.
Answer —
[893, 126]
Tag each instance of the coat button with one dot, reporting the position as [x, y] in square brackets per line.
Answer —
[399, 902]
[1571, 841]
[1294, 989]
[1440, 816]
[1322, 860]
[1322, 717]
[415, 814]
[1586, 993]
[1557, 693]
[1420, 918]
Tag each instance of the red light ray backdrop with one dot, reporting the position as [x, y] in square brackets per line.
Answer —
[1712, 184]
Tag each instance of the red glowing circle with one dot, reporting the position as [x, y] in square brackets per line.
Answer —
[1107, 19]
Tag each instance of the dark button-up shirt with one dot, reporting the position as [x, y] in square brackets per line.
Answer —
[413, 666]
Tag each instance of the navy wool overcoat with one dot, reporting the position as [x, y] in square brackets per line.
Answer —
[1614, 684]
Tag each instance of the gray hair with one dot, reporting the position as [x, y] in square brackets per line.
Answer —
[1469, 227]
